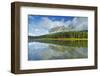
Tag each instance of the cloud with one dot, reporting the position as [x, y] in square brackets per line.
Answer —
[77, 23]
[38, 31]
[80, 23]
[46, 24]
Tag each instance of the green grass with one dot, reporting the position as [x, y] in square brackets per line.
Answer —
[71, 42]
[62, 36]
[65, 39]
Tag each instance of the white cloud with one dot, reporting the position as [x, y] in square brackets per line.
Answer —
[31, 34]
[36, 30]
[46, 24]
[77, 23]
[80, 23]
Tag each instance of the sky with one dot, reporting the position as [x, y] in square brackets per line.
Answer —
[41, 24]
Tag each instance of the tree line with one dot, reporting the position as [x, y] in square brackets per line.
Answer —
[71, 34]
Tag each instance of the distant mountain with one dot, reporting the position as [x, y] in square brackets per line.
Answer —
[67, 29]
[58, 29]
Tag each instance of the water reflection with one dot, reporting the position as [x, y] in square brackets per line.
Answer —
[49, 50]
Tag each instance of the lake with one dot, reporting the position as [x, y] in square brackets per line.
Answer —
[52, 50]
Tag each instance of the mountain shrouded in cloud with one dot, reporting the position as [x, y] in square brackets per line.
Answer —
[76, 24]
[40, 25]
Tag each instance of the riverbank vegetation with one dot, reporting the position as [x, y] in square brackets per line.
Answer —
[72, 35]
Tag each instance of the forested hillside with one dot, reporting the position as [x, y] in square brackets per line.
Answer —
[63, 35]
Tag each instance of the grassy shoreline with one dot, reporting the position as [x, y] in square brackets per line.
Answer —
[76, 42]
[64, 39]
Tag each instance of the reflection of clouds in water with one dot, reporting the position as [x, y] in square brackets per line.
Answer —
[44, 51]
[64, 52]
[35, 49]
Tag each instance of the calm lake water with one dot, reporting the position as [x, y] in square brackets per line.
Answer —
[49, 50]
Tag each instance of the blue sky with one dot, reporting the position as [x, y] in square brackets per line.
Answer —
[40, 25]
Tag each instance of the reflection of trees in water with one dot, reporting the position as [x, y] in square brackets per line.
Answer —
[75, 43]
[50, 50]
